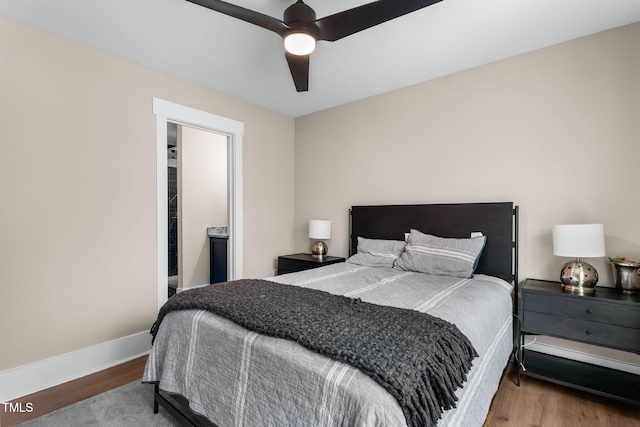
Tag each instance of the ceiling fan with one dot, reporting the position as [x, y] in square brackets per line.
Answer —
[300, 29]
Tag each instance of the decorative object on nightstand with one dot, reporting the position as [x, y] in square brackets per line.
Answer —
[579, 241]
[320, 230]
[626, 274]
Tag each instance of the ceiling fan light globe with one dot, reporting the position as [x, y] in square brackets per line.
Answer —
[299, 43]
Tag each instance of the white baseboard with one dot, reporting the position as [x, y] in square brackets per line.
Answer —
[178, 290]
[24, 380]
[581, 356]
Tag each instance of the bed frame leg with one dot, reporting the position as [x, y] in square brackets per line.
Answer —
[155, 398]
[519, 355]
[517, 350]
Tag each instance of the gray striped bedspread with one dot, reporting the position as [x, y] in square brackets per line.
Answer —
[240, 378]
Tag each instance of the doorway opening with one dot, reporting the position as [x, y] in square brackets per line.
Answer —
[197, 207]
[167, 112]
[172, 207]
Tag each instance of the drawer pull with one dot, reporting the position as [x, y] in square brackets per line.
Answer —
[588, 311]
[589, 332]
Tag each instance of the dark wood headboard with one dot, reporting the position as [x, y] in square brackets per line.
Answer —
[497, 221]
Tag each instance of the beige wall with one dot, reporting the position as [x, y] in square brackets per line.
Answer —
[556, 130]
[202, 197]
[78, 138]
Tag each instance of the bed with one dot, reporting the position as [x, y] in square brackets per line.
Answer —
[208, 370]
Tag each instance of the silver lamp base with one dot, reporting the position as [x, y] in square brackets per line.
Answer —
[319, 249]
[579, 277]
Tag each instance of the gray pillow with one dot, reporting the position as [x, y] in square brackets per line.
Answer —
[429, 254]
[377, 252]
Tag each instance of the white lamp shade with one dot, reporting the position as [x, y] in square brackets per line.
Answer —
[578, 240]
[319, 229]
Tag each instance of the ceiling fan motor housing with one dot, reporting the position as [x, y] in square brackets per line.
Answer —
[299, 12]
[299, 16]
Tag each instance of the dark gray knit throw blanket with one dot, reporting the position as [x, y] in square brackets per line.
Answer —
[420, 359]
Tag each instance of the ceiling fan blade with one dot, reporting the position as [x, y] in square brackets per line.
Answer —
[257, 18]
[343, 24]
[299, 66]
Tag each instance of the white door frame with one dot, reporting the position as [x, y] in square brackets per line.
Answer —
[166, 111]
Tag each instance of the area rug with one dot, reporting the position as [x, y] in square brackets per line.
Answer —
[128, 406]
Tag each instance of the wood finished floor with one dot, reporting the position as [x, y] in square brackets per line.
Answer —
[535, 403]
[538, 403]
[49, 400]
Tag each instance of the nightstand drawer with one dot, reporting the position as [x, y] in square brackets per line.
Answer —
[299, 262]
[291, 265]
[580, 330]
[583, 308]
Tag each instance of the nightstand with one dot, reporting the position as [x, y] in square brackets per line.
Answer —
[300, 262]
[608, 318]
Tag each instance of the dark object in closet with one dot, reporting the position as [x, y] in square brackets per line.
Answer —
[218, 259]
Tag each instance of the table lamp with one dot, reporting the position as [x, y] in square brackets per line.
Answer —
[578, 241]
[320, 230]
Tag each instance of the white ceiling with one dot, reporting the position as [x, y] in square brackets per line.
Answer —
[247, 62]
